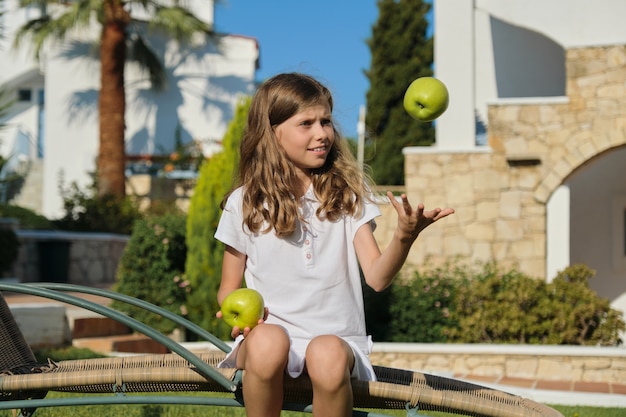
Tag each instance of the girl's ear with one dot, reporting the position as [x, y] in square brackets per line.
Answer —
[275, 133]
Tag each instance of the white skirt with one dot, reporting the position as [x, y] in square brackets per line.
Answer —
[362, 370]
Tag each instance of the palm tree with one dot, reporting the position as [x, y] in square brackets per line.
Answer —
[119, 41]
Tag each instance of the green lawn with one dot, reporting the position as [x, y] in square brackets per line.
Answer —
[218, 411]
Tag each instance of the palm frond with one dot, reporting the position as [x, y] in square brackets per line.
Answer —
[55, 27]
[141, 53]
[37, 31]
[5, 104]
[179, 22]
[37, 3]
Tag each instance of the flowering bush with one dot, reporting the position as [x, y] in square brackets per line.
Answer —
[152, 269]
[186, 157]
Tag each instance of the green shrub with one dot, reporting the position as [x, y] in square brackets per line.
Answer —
[152, 269]
[87, 212]
[420, 309]
[486, 304]
[417, 310]
[204, 261]
[498, 306]
[580, 316]
[509, 307]
[28, 219]
[9, 246]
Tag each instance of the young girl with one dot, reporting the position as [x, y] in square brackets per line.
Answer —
[297, 226]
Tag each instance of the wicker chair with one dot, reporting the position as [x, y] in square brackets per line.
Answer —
[24, 382]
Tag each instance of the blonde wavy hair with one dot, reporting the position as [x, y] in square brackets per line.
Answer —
[268, 176]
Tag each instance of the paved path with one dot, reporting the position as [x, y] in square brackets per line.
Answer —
[555, 392]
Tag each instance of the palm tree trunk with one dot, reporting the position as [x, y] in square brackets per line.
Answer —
[112, 101]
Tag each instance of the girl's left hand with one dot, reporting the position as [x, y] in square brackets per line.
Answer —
[412, 221]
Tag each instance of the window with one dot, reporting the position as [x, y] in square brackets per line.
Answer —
[41, 128]
[24, 95]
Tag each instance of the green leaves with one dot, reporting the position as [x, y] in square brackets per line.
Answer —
[152, 269]
[204, 263]
[178, 22]
[401, 52]
[487, 304]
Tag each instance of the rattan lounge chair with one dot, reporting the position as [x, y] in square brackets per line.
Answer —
[24, 381]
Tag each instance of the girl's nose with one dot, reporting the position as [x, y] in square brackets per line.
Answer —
[319, 131]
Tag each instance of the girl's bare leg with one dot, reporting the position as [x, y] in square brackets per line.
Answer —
[263, 355]
[329, 363]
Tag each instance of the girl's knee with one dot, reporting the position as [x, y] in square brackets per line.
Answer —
[329, 359]
[266, 347]
[329, 348]
[269, 337]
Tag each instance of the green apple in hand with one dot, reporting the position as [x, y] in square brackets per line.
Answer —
[243, 308]
[425, 99]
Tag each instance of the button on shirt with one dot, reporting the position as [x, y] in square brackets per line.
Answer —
[310, 280]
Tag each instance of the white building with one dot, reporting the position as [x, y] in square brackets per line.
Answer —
[537, 129]
[54, 123]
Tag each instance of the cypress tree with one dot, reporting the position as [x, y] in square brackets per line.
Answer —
[203, 267]
[401, 52]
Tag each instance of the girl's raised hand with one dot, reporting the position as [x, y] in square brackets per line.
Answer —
[412, 221]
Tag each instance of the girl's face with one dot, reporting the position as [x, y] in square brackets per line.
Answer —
[307, 138]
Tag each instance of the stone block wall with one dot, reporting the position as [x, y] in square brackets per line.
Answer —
[92, 257]
[550, 363]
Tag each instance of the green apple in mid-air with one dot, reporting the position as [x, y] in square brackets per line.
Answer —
[243, 308]
[426, 98]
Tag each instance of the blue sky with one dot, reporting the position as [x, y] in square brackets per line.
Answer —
[324, 38]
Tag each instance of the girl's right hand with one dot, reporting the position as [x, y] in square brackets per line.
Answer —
[236, 331]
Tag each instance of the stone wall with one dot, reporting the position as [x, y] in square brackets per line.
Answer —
[551, 363]
[500, 191]
[83, 258]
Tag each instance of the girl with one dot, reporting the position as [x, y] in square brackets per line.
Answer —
[297, 225]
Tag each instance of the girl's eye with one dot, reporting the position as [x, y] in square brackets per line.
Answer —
[327, 122]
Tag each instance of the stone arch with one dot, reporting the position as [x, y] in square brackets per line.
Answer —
[558, 174]
[592, 121]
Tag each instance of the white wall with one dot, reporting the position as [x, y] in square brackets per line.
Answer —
[70, 124]
[454, 65]
[557, 232]
[15, 62]
[201, 94]
[571, 23]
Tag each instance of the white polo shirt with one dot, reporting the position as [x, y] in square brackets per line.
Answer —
[310, 281]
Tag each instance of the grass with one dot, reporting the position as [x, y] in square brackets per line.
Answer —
[158, 410]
